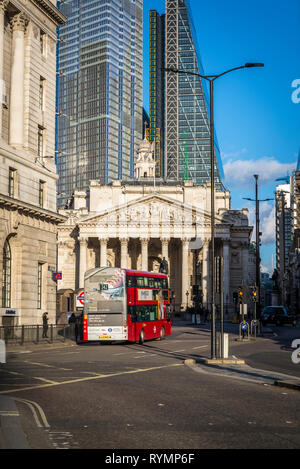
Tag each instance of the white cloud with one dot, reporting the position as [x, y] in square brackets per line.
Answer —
[240, 172]
[267, 226]
[266, 221]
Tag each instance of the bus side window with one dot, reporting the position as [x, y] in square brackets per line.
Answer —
[140, 281]
[151, 282]
[130, 281]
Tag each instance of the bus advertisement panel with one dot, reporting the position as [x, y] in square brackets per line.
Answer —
[125, 305]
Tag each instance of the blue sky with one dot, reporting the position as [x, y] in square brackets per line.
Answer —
[257, 121]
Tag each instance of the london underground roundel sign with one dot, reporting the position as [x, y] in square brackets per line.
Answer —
[80, 298]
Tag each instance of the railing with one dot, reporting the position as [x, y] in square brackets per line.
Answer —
[19, 335]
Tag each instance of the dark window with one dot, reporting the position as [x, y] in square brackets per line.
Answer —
[6, 277]
[40, 141]
[41, 193]
[144, 313]
[39, 285]
[131, 281]
[12, 176]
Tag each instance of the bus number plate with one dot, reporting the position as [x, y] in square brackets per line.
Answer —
[103, 286]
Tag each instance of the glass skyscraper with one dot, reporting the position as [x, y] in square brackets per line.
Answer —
[186, 118]
[99, 92]
[157, 88]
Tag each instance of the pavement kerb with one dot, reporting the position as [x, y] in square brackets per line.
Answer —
[11, 432]
[292, 384]
[35, 347]
[217, 361]
[284, 383]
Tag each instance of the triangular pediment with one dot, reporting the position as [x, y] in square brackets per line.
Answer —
[149, 206]
[150, 216]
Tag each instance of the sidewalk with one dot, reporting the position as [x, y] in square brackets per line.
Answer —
[237, 369]
[31, 346]
[245, 372]
[11, 433]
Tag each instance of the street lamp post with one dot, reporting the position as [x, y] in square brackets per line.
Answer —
[257, 248]
[211, 79]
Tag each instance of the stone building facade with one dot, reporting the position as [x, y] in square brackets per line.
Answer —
[28, 215]
[134, 224]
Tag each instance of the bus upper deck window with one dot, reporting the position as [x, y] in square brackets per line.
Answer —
[140, 281]
[130, 281]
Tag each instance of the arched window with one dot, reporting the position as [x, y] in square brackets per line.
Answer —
[6, 284]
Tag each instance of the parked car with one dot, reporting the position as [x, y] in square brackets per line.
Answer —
[277, 315]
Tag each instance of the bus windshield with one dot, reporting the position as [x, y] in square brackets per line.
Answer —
[105, 291]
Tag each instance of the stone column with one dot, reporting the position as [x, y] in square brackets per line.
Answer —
[82, 260]
[144, 244]
[3, 5]
[205, 274]
[226, 257]
[165, 249]
[185, 271]
[103, 252]
[16, 124]
[124, 252]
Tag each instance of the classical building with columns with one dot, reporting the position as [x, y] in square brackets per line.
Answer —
[28, 215]
[136, 223]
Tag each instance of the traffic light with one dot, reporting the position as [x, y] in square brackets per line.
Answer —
[255, 294]
[241, 294]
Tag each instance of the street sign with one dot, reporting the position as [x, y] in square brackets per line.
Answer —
[56, 276]
[80, 300]
[243, 309]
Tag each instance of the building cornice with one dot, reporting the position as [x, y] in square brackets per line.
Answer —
[47, 7]
[29, 209]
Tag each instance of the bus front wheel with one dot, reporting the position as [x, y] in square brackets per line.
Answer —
[162, 333]
[142, 337]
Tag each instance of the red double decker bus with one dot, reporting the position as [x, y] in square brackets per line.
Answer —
[125, 305]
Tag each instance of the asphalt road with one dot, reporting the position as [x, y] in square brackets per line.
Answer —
[123, 396]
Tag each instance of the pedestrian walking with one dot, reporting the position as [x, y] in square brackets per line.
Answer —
[72, 319]
[72, 323]
[45, 325]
